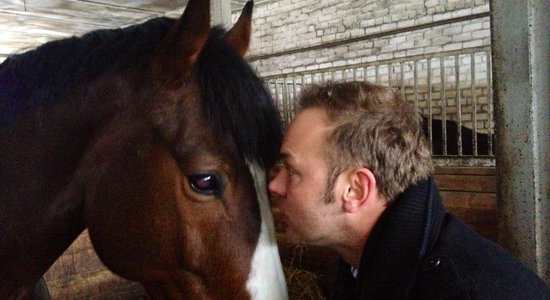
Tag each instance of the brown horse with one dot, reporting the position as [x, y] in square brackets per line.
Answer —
[156, 138]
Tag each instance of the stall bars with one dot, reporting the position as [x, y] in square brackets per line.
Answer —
[451, 88]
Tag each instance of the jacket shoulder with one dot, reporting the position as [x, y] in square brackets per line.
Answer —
[464, 265]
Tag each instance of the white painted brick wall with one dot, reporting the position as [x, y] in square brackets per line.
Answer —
[282, 30]
[290, 25]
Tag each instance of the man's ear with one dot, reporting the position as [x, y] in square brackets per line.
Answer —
[360, 188]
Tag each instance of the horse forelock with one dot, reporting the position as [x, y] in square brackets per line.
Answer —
[236, 102]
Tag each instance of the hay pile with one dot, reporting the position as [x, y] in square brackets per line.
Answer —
[302, 284]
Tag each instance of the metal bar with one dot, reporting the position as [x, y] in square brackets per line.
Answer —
[415, 66]
[490, 103]
[285, 98]
[279, 102]
[390, 71]
[443, 107]
[458, 106]
[474, 103]
[430, 133]
[402, 86]
[294, 96]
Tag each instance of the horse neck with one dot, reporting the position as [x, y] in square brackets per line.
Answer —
[40, 190]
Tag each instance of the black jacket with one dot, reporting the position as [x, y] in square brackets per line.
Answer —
[418, 251]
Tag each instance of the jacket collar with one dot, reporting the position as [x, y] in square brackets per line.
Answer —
[406, 231]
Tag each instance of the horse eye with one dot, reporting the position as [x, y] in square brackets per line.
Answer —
[206, 184]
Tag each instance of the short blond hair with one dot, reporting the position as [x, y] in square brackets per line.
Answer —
[372, 127]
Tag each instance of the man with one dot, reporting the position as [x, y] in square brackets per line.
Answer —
[356, 176]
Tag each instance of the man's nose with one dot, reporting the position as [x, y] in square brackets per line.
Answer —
[276, 184]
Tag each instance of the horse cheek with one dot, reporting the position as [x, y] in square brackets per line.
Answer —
[132, 216]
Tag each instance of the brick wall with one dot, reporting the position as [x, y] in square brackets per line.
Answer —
[290, 36]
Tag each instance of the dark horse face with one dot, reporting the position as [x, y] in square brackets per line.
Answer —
[162, 157]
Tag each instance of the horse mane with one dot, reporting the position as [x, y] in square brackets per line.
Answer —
[235, 100]
[40, 76]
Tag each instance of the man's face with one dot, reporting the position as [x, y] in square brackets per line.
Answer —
[299, 187]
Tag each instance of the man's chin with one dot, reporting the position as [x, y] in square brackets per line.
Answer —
[294, 238]
[291, 237]
[283, 227]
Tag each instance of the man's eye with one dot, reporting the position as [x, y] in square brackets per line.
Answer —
[290, 171]
[274, 171]
[206, 184]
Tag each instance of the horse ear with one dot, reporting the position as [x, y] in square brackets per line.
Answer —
[239, 36]
[178, 51]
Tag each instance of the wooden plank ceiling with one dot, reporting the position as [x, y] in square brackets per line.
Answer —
[25, 24]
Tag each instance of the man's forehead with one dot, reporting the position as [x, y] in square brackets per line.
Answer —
[305, 136]
[308, 122]
[286, 155]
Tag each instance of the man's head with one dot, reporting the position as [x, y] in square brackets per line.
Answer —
[372, 127]
[351, 147]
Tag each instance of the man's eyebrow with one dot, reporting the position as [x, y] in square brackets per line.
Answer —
[285, 157]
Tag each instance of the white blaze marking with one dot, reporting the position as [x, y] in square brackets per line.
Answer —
[266, 279]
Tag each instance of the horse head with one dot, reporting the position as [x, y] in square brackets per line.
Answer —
[175, 190]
